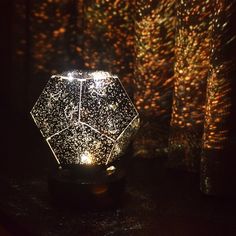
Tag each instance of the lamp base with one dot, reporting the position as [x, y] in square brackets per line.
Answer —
[86, 187]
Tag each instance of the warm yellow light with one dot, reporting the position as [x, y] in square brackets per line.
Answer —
[86, 158]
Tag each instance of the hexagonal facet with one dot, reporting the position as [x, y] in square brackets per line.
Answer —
[86, 117]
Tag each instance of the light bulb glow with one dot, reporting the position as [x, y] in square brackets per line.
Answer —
[87, 118]
[70, 76]
[86, 158]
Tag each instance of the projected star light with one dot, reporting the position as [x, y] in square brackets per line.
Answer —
[86, 117]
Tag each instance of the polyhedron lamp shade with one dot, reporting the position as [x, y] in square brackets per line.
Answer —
[86, 118]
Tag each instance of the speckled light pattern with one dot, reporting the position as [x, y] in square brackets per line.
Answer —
[85, 117]
[193, 58]
[193, 51]
[154, 57]
[201, 101]
[91, 34]
[109, 37]
[218, 102]
[218, 92]
[153, 73]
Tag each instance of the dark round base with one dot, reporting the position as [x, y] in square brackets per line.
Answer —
[86, 187]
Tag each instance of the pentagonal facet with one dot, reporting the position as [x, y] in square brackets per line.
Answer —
[106, 106]
[57, 106]
[80, 144]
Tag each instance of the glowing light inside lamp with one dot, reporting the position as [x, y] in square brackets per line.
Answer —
[70, 77]
[86, 158]
[86, 117]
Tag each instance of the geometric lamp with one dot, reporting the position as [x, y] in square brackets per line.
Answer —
[87, 119]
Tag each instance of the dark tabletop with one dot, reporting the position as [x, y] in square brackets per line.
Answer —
[158, 201]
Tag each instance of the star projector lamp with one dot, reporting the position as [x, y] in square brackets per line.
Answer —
[88, 121]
